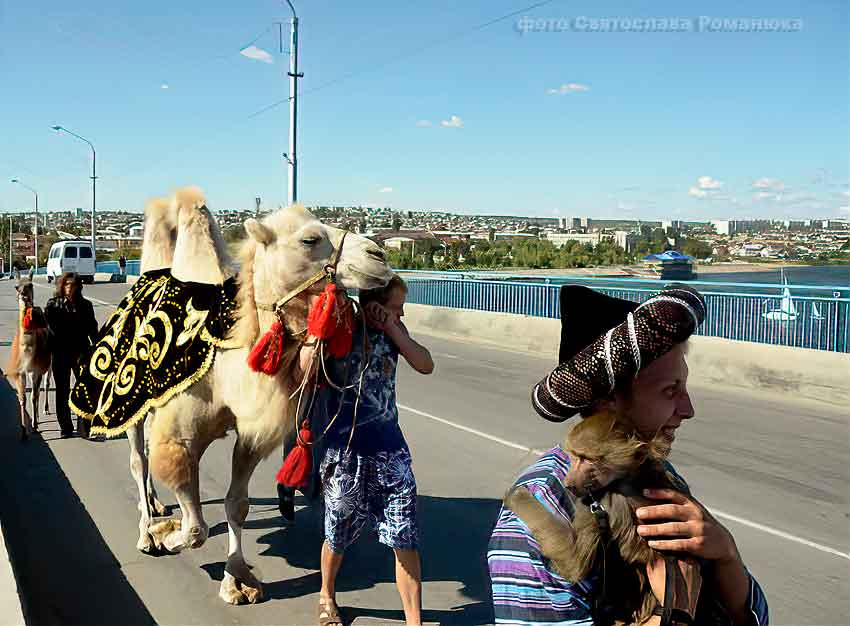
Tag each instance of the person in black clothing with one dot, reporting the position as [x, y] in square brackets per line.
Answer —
[122, 264]
[73, 330]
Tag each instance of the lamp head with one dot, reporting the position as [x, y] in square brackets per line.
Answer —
[15, 180]
[57, 128]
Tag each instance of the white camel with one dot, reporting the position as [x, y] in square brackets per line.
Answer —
[281, 252]
[30, 358]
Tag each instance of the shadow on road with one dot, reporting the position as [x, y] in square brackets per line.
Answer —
[453, 536]
[65, 571]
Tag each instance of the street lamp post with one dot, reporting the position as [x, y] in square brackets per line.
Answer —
[292, 156]
[15, 180]
[62, 129]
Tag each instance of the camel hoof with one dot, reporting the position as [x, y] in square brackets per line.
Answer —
[234, 591]
[146, 544]
[157, 508]
[197, 536]
[163, 535]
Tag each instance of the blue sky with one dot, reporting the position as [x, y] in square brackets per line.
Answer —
[640, 125]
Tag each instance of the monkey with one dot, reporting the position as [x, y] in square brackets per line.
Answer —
[611, 465]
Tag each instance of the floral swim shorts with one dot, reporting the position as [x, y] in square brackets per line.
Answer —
[377, 489]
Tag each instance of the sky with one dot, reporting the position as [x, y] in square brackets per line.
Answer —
[433, 105]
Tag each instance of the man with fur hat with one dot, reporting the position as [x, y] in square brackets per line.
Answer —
[628, 360]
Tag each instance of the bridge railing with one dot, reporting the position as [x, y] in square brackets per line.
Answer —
[820, 319]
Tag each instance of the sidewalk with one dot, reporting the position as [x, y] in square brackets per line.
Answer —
[10, 599]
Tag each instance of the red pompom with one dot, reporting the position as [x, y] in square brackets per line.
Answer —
[266, 354]
[343, 337]
[321, 321]
[296, 469]
[28, 319]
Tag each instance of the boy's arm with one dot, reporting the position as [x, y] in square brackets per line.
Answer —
[414, 353]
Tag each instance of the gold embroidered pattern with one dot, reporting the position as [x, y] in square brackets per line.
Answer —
[160, 340]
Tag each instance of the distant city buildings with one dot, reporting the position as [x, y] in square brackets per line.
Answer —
[421, 232]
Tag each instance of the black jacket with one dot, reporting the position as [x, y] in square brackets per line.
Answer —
[73, 329]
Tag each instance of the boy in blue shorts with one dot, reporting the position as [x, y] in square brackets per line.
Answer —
[366, 471]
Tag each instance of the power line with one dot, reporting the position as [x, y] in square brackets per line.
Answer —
[405, 55]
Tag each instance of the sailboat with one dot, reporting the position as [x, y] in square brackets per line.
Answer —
[786, 312]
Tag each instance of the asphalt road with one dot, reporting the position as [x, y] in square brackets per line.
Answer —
[774, 468]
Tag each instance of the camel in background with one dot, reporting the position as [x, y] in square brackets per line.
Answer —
[30, 358]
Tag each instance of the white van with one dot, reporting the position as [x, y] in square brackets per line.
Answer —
[71, 256]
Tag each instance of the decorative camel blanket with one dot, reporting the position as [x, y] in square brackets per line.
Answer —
[160, 340]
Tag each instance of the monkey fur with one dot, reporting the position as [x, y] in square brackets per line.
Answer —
[607, 456]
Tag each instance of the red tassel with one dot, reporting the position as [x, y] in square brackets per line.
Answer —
[321, 321]
[266, 354]
[28, 319]
[343, 337]
[296, 469]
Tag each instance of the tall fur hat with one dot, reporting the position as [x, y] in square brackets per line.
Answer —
[605, 342]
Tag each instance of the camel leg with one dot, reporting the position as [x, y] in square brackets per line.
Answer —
[139, 470]
[239, 586]
[26, 425]
[156, 508]
[46, 390]
[36, 396]
[175, 463]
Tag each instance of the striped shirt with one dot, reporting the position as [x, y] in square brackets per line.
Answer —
[525, 591]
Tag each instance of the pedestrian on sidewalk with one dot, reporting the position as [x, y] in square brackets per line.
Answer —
[73, 330]
[627, 361]
[122, 265]
[366, 471]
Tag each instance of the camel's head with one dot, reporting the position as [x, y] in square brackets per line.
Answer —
[291, 245]
[25, 290]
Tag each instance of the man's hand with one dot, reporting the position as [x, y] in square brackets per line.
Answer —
[686, 526]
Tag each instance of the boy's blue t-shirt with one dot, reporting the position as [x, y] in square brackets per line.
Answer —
[376, 428]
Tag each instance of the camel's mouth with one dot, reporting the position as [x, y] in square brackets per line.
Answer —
[379, 280]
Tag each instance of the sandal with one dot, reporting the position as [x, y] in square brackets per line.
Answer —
[328, 612]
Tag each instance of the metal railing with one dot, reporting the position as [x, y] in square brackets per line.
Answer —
[820, 319]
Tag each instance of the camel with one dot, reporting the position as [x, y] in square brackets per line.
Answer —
[281, 253]
[30, 358]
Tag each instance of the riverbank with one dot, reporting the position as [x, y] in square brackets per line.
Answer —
[731, 267]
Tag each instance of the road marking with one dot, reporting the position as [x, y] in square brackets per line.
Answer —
[780, 533]
[477, 433]
[728, 516]
[446, 356]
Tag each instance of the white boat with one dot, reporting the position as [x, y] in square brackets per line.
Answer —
[786, 312]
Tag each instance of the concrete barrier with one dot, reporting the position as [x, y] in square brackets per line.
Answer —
[797, 372]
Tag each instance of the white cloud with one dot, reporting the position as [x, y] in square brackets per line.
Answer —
[258, 54]
[763, 195]
[846, 193]
[707, 182]
[706, 187]
[164, 86]
[385, 190]
[844, 209]
[424, 123]
[769, 183]
[454, 122]
[568, 88]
